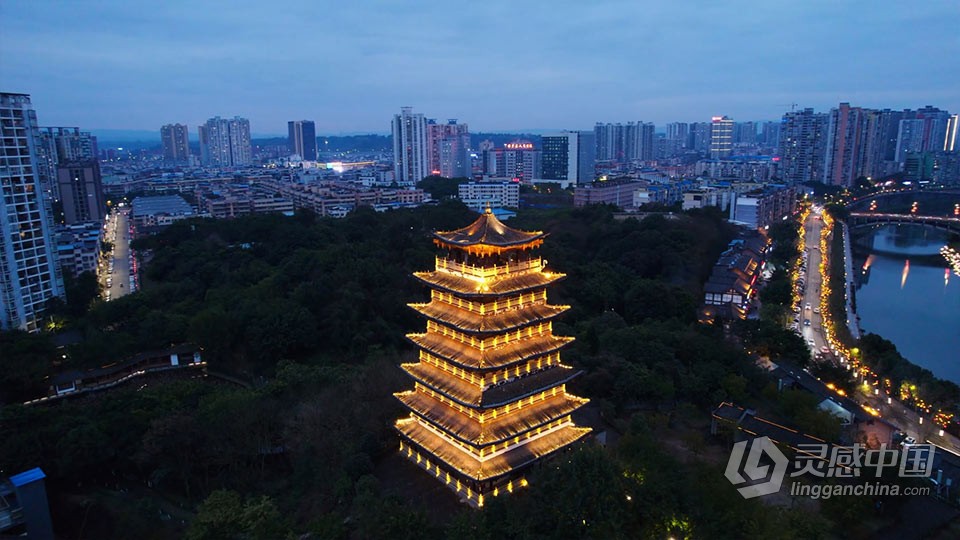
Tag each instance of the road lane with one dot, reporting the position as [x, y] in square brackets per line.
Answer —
[812, 278]
[118, 232]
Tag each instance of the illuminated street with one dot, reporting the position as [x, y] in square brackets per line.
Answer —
[115, 278]
[811, 293]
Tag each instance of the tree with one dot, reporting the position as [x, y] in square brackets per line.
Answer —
[27, 358]
[441, 188]
[225, 516]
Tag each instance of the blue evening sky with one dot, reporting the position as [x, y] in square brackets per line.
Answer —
[497, 65]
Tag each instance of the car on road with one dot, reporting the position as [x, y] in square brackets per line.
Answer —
[811, 343]
[806, 322]
[816, 310]
[808, 307]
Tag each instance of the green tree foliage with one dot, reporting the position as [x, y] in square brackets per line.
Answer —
[27, 359]
[441, 188]
[224, 515]
[769, 338]
[314, 311]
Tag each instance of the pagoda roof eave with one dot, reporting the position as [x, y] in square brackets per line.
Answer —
[475, 323]
[506, 464]
[468, 288]
[452, 352]
[488, 231]
[502, 429]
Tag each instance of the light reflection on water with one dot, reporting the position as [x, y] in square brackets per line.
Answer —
[906, 296]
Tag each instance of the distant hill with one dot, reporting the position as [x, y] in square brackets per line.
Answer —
[126, 136]
[141, 138]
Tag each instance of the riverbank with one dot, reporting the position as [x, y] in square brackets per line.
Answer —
[853, 324]
[836, 292]
[877, 361]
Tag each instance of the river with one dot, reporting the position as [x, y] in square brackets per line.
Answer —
[909, 296]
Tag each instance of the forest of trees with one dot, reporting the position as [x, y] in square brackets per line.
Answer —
[312, 312]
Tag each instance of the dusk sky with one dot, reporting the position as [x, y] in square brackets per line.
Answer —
[496, 65]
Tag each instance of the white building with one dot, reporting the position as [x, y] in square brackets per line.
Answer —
[78, 247]
[707, 196]
[29, 269]
[479, 195]
[373, 177]
[518, 159]
[721, 137]
[410, 157]
[225, 142]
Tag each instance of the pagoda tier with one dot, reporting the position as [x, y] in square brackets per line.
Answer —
[502, 463]
[489, 431]
[470, 395]
[489, 394]
[469, 287]
[504, 356]
[473, 322]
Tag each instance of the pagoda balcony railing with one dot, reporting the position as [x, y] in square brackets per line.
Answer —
[486, 272]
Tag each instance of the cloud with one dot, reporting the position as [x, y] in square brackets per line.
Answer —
[496, 64]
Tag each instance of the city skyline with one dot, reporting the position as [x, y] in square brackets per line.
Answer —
[534, 70]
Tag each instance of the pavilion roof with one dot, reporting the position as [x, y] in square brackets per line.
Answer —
[487, 230]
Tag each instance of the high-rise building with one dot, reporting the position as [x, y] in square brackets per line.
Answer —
[410, 157]
[176, 142]
[56, 145]
[802, 146]
[770, 134]
[489, 397]
[303, 139]
[881, 159]
[678, 138]
[225, 142]
[721, 137]
[923, 130]
[569, 157]
[81, 191]
[745, 133]
[517, 160]
[29, 271]
[609, 141]
[849, 131]
[950, 138]
[624, 142]
[639, 141]
[700, 137]
[448, 149]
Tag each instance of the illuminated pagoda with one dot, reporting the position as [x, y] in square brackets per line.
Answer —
[489, 395]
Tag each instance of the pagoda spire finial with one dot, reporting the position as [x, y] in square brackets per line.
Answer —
[488, 209]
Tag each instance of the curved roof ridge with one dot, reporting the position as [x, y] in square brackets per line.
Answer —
[487, 230]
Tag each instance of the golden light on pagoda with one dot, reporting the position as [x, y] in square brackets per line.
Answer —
[489, 396]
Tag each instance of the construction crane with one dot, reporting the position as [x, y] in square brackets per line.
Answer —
[793, 106]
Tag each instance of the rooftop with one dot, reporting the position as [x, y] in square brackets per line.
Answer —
[161, 204]
[488, 230]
